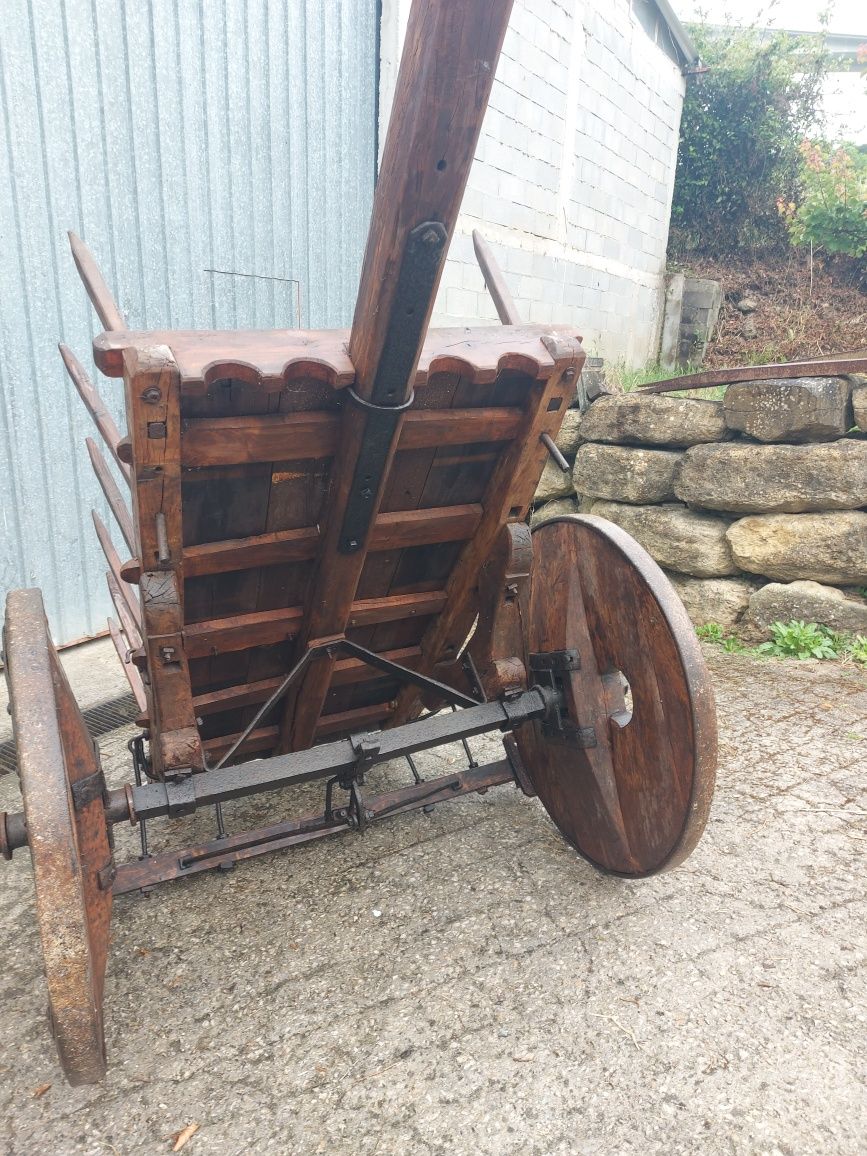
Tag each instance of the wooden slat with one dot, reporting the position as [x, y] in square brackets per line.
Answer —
[113, 496]
[299, 437]
[128, 624]
[504, 303]
[111, 556]
[346, 672]
[95, 406]
[94, 282]
[132, 674]
[265, 738]
[263, 628]
[245, 553]
[393, 531]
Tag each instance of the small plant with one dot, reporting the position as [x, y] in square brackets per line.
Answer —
[710, 632]
[856, 649]
[798, 639]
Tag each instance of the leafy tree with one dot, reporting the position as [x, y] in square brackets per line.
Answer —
[742, 123]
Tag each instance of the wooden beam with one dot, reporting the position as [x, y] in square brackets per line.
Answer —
[266, 627]
[121, 645]
[94, 282]
[504, 303]
[128, 623]
[265, 738]
[95, 406]
[346, 671]
[116, 504]
[509, 494]
[392, 531]
[114, 564]
[231, 441]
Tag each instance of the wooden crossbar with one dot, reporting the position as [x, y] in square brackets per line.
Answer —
[230, 441]
[266, 627]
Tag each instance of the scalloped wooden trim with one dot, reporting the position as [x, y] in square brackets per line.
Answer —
[270, 359]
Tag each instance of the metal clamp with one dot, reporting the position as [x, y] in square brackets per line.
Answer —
[181, 795]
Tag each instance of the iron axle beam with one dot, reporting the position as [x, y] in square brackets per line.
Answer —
[330, 759]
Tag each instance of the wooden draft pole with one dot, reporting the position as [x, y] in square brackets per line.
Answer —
[447, 69]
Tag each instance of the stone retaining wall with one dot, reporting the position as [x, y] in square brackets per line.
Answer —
[756, 505]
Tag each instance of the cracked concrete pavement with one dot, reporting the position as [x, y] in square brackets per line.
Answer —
[462, 983]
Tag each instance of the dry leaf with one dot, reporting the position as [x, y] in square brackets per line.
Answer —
[185, 1134]
[40, 1091]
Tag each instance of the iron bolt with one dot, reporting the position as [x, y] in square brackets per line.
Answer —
[151, 395]
[569, 374]
[430, 237]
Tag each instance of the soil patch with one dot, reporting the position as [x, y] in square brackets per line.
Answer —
[801, 312]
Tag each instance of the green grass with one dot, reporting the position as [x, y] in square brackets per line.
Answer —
[630, 380]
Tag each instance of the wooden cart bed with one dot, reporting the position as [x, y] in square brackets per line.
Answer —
[251, 424]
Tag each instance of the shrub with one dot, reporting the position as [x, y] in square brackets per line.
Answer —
[741, 126]
[831, 211]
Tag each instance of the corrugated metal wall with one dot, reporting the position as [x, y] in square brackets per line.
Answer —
[218, 158]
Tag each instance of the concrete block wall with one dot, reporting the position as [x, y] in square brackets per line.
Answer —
[573, 176]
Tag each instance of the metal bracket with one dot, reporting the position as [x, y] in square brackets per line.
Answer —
[367, 747]
[555, 661]
[86, 790]
[181, 795]
[419, 269]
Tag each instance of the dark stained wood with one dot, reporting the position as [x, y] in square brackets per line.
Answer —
[261, 628]
[95, 406]
[346, 671]
[152, 388]
[256, 438]
[274, 359]
[504, 303]
[100, 296]
[447, 68]
[113, 496]
[637, 801]
[391, 531]
[498, 644]
[508, 496]
[821, 367]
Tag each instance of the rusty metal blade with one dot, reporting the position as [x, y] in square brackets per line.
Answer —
[823, 367]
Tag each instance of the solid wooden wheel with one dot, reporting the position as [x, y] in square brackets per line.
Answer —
[60, 777]
[628, 772]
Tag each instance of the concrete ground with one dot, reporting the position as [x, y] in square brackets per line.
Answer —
[461, 983]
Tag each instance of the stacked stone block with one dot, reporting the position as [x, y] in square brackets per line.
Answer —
[756, 505]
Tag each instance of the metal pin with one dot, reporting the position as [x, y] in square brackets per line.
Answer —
[551, 446]
[163, 552]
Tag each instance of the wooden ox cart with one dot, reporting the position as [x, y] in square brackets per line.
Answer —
[329, 546]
